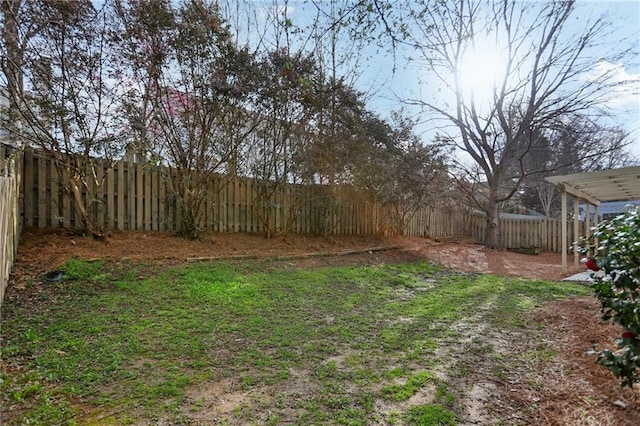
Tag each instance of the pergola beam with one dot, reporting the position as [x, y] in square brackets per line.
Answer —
[576, 192]
[593, 188]
[603, 185]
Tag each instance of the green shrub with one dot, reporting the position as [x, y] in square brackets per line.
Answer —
[618, 255]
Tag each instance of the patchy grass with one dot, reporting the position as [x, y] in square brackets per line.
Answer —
[326, 345]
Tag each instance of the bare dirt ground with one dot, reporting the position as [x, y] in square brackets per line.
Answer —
[44, 250]
[569, 388]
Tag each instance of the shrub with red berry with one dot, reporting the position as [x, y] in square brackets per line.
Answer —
[617, 254]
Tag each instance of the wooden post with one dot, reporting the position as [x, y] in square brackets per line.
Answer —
[596, 242]
[110, 193]
[576, 230]
[564, 231]
[42, 191]
[148, 198]
[121, 195]
[587, 221]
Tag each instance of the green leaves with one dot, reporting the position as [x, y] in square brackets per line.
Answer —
[619, 290]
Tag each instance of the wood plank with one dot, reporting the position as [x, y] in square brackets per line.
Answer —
[236, 204]
[55, 198]
[228, 211]
[153, 198]
[99, 201]
[162, 202]
[28, 188]
[43, 203]
[178, 208]
[110, 195]
[247, 205]
[131, 194]
[251, 206]
[66, 198]
[223, 204]
[88, 194]
[210, 204]
[139, 197]
[240, 205]
[120, 195]
[147, 199]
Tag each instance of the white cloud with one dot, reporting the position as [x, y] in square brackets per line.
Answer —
[626, 86]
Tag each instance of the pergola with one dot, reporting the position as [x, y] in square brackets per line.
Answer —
[593, 188]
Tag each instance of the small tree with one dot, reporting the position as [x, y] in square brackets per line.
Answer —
[618, 290]
[272, 153]
[399, 172]
[65, 92]
[191, 108]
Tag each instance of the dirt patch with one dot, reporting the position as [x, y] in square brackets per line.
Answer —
[472, 257]
[47, 249]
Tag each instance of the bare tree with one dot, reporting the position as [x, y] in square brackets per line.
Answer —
[547, 70]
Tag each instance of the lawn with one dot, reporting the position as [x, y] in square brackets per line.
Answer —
[260, 343]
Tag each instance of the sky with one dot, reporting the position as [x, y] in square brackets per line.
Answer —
[625, 17]
[388, 82]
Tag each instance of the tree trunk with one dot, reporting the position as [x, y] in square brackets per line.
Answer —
[492, 237]
[12, 67]
[87, 224]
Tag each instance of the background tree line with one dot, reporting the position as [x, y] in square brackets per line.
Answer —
[204, 87]
[172, 84]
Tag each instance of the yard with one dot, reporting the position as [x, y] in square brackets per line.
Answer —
[236, 329]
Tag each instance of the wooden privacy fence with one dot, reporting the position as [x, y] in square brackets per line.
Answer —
[542, 233]
[439, 222]
[8, 229]
[10, 223]
[136, 197]
[9, 212]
